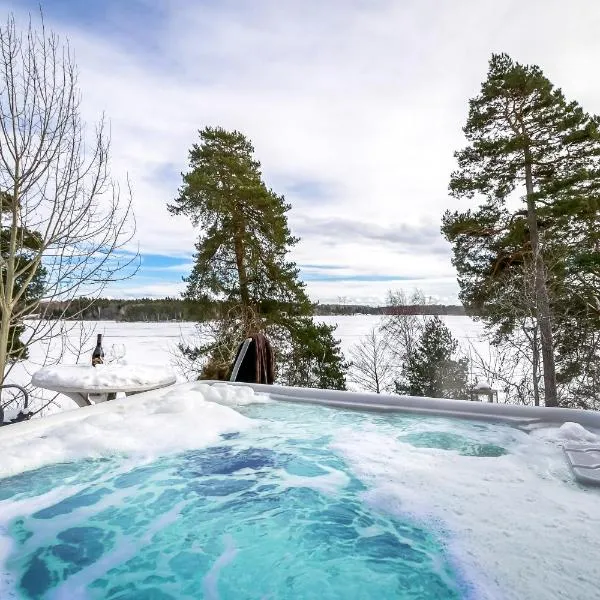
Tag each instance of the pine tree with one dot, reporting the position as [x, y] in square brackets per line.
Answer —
[241, 253]
[241, 264]
[27, 241]
[430, 369]
[311, 356]
[523, 137]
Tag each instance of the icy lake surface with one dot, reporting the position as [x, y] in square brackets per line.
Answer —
[200, 492]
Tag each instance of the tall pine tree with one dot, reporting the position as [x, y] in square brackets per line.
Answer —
[527, 143]
[241, 264]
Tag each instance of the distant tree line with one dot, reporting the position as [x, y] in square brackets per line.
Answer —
[178, 309]
[423, 309]
[138, 309]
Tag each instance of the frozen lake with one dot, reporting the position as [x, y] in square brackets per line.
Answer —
[156, 343]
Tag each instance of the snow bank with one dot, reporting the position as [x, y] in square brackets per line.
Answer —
[109, 377]
[567, 432]
[179, 418]
[11, 413]
[237, 395]
[519, 520]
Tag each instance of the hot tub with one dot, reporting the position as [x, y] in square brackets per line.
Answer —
[222, 491]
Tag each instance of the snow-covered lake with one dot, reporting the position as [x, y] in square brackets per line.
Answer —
[155, 343]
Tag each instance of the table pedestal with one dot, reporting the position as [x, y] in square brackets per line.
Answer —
[89, 399]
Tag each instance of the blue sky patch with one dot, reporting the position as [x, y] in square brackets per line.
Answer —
[134, 24]
[162, 262]
[306, 276]
[308, 189]
[163, 269]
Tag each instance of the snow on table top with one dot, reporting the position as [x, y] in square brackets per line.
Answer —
[102, 378]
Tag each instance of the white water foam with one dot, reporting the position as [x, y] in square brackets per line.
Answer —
[9, 510]
[76, 586]
[211, 579]
[518, 523]
[567, 432]
[329, 483]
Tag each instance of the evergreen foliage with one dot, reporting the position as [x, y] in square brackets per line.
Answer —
[430, 370]
[241, 264]
[311, 356]
[520, 263]
[27, 241]
[241, 253]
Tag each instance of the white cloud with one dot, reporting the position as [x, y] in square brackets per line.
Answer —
[364, 99]
[442, 290]
[155, 289]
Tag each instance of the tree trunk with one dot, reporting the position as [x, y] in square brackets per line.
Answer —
[4, 333]
[8, 277]
[241, 269]
[243, 279]
[541, 292]
[535, 367]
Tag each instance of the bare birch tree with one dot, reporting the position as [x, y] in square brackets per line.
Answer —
[372, 366]
[61, 214]
[403, 327]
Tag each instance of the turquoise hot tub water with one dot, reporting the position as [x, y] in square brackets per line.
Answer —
[279, 511]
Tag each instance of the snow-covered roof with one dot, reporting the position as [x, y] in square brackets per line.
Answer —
[483, 386]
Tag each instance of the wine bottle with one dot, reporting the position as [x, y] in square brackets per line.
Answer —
[98, 354]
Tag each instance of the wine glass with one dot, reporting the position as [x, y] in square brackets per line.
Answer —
[118, 352]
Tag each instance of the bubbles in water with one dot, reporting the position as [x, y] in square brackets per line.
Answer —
[444, 440]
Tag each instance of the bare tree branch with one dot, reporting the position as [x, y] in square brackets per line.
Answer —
[372, 365]
[65, 225]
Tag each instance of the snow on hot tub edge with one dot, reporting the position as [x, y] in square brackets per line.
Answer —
[174, 419]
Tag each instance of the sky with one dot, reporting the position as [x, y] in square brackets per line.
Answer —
[354, 107]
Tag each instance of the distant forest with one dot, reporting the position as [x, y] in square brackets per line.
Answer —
[176, 309]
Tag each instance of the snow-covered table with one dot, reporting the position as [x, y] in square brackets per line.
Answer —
[89, 385]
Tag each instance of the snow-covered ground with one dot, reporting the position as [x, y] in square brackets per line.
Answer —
[154, 344]
[188, 416]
